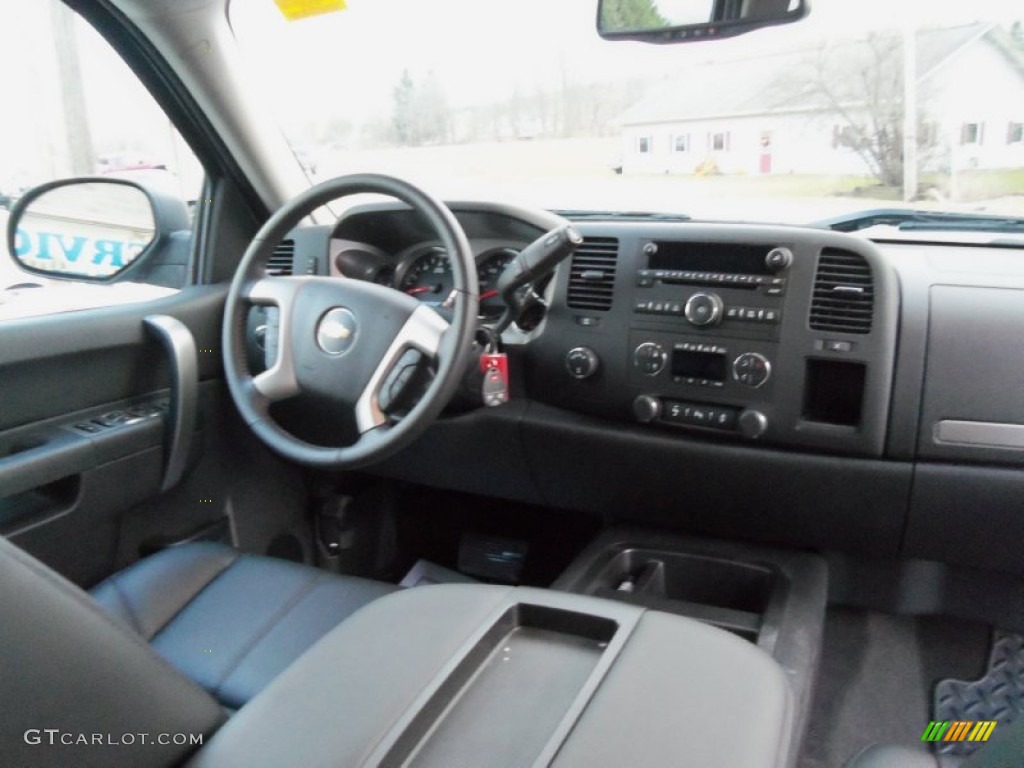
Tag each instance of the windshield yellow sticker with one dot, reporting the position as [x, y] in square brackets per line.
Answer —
[300, 9]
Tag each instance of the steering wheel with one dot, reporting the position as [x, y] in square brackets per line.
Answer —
[344, 340]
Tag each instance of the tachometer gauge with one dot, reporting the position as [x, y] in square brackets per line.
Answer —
[489, 268]
[428, 275]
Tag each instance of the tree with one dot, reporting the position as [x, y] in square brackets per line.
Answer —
[420, 113]
[402, 119]
[631, 14]
[859, 87]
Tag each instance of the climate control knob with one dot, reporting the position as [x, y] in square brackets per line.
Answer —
[582, 362]
[646, 408]
[751, 369]
[703, 309]
[649, 358]
[778, 259]
[752, 423]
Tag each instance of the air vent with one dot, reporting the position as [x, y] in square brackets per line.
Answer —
[844, 293]
[592, 274]
[282, 259]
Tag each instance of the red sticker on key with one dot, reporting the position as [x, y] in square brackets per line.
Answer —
[497, 360]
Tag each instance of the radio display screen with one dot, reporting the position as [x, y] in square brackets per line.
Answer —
[698, 365]
[727, 258]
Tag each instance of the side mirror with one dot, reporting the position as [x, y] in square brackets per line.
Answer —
[90, 228]
[687, 21]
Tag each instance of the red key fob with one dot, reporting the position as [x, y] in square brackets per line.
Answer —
[495, 385]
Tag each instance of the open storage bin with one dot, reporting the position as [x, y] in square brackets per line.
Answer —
[730, 594]
[514, 692]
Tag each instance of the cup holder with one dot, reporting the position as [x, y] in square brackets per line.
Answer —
[730, 594]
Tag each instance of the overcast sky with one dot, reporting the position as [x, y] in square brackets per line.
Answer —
[352, 59]
[346, 64]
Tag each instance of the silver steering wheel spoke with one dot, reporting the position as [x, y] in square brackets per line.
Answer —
[278, 382]
[423, 331]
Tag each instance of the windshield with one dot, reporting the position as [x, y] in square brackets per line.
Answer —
[523, 102]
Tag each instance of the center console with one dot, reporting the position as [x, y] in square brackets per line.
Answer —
[772, 598]
[477, 675]
[784, 335]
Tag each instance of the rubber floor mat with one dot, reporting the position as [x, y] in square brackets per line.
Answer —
[998, 696]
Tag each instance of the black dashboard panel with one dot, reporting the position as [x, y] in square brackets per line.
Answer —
[894, 427]
[973, 398]
[727, 350]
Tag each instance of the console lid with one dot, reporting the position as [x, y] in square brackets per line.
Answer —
[459, 675]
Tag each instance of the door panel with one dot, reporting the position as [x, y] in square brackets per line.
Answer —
[65, 479]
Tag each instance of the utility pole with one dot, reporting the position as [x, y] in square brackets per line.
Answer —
[72, 106]
[909, 110]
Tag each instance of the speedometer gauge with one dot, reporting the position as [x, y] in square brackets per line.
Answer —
[489, 268]
[428, 275]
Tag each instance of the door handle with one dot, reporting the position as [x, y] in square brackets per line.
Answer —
[180, 347]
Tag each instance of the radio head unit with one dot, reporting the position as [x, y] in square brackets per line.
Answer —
[716, 258]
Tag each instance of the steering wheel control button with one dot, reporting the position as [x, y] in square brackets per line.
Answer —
[751, 369]
[778, 259]
[649, 358]
[703, 309]
[582, 362]
[336, 332]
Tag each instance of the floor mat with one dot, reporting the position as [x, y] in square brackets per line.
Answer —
[877, 677]
[998, 696]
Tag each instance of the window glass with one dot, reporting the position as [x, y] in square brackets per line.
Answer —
[971, 133]
[74, 108]
[399, 86]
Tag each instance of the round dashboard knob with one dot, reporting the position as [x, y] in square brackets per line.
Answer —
[582, 362]
[650, 358]
[646, 408]
[751, 369]
[703, 309]
[778, 259]
[752, 423]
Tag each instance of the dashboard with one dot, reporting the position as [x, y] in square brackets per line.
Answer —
[781, 335]
[785, 384]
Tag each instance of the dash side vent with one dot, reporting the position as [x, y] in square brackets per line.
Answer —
[592, 274]
[282, 259]
[843, 299]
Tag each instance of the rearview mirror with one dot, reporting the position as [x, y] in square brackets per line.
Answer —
[683, 21]
[82, 229]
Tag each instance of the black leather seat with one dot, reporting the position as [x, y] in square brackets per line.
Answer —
[229, 621]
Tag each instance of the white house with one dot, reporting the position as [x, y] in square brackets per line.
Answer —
[769, 114]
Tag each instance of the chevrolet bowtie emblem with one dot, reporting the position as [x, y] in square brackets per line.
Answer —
[336, 331]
